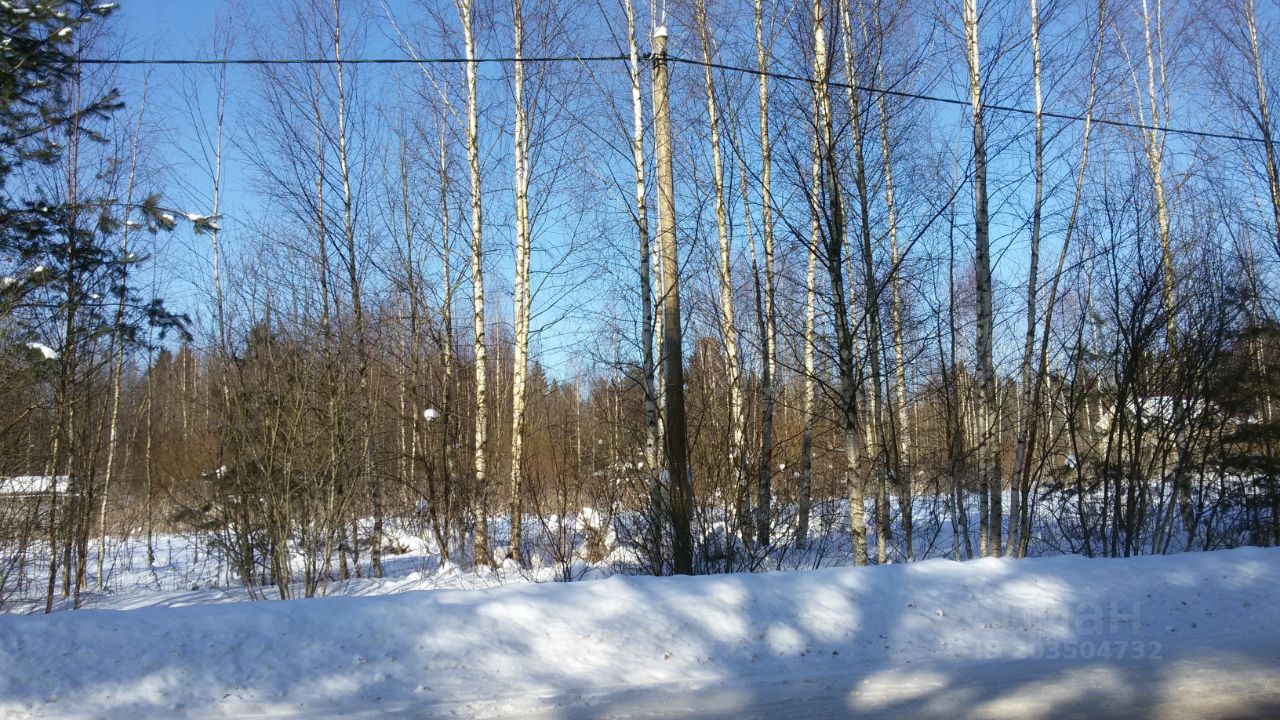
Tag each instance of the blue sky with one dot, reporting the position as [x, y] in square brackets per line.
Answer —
[170, 29]
[184, 28]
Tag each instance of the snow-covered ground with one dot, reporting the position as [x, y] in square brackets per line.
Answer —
[191, 569]
[1188, 635]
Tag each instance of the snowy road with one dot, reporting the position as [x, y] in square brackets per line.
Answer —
[1186, 636]
[1188, 684]
[1212, 686]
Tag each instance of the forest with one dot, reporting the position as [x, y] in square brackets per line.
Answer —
[678, 287]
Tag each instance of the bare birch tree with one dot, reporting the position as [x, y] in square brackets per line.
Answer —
[988, 456]
[1033, 282]
[647, 367]
[481, 443]
[809, 340]
[769, 327]
[353, 266]
[521, 313]
[117, 363]
[875, 434]
[737, 431]
[832, 205]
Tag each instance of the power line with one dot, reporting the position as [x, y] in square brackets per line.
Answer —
[345, 61]
[965, 103]
[870, 89]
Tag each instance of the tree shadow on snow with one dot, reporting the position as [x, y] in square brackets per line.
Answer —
[1055, 638]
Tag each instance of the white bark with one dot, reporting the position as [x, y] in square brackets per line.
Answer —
[810, 318]
[1250, 18]
[117, 369]
[874, 436]
[357, 301]
[651, 438]
[988, 456]
[482, 556]
[768, 377]
[521, 311]
[1033, 280]
[901, 437]
[1153, 38]
[1038, 377]
[737, 431]
[832, 259]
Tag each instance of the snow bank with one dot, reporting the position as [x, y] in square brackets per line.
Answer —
[903, 640]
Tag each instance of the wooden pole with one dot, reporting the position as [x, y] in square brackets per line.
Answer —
[672, 343]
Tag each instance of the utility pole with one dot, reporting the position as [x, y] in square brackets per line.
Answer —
[672, 344]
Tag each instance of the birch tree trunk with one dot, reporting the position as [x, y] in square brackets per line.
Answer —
[834, 248]
[411, 449]
[651, 445]
[148, 467]
[1153, 37]
[1250, 18]
[1154, 141]
[482, 556]
[810, 317]
[758, 296]
[336, 487]
[737, 431]
[63, 435]
[875, 435]
[1263, 120]
[1038, 377]
[448, 429]
[768, 377]
[117, 369]
[956, 416]
[1033, 280]
[521, 313]
[901, 434]
[357, 304]
[440, 506]
[988, 457]
[898, 454]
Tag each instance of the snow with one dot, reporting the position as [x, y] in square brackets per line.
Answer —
[31, 485]
[207, 220]
[1155, 408]
[46, 351]
[191, 569]
[1187, 635]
